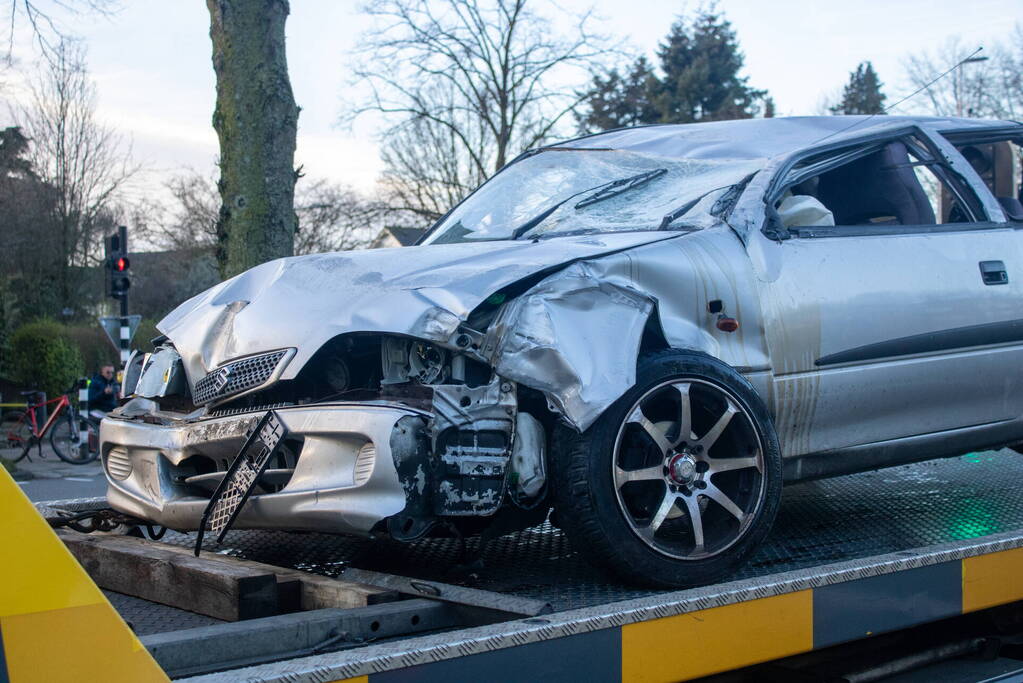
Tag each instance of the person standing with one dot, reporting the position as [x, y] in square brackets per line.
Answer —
[103, 391]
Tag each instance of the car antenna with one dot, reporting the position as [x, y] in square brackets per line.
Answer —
[916, 92]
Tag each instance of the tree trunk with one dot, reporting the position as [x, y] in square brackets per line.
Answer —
[256, 120]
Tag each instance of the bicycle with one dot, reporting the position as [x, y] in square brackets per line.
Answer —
[22, 430]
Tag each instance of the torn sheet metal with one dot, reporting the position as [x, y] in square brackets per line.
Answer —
[302, 302]
[575, 337]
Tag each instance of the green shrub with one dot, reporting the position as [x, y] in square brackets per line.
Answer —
[44, 357]
[94, 346]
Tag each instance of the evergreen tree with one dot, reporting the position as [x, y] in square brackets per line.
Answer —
[14, 154]
[862, 94]
[618, 100]
[701, 61]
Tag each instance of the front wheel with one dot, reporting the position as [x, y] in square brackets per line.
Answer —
[679, 481]
[67, 442]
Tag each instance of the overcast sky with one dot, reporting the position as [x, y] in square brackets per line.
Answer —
[151, 63]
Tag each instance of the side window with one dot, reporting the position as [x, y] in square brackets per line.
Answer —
[999, 165]
[898, 183]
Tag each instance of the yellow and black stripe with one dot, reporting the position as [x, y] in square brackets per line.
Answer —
[708, 641]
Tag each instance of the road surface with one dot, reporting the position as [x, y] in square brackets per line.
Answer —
[50, 478]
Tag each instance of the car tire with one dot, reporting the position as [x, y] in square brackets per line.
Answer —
[626, 497]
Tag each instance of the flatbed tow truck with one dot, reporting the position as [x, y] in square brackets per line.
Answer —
[904, 574]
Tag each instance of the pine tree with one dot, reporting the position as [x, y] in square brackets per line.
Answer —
[862, 94]
[701, 61]
[618, 100]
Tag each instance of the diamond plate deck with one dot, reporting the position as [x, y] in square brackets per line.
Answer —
[146, 618]
[827, 532]
[820, 522]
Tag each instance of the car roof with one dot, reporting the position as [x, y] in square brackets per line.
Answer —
[757, 138]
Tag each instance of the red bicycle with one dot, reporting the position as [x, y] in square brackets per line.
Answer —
[22, 430]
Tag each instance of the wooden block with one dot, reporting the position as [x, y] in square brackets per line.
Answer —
[322, 592]
[150, 571]
[316, 592]
[295, 590]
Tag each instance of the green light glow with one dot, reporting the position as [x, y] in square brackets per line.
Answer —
[973, 519]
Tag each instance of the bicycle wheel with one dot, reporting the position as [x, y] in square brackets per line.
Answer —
[16, 432]
[67, 442]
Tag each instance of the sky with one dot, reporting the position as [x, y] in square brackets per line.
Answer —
[151, 63]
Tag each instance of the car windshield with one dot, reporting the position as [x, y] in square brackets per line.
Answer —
[571, 191]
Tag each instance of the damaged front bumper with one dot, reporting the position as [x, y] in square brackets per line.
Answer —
[339, 473]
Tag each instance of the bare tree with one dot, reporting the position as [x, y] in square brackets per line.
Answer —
[331, 217]
[86, 163]
[426, 169]
[1009, 65]
[256, 120]
[47, 30]
[190, 222]
[988, 85]
[467, 84]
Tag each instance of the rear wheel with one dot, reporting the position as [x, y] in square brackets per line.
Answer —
[679, 481]
[67, 442]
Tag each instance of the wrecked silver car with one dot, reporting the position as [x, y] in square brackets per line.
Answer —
[648, 330]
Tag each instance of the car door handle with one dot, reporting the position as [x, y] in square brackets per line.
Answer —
[994, 273]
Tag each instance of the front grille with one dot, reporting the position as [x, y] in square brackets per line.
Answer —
[364, 463]
[118, 464]
[236, 377]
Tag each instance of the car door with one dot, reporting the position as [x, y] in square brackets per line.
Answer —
[883, 330]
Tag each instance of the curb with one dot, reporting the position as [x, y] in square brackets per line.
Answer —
[21, 475]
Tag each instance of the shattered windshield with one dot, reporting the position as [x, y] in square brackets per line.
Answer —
[572, 191]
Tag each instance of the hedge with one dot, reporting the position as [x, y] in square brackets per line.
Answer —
[44, 357]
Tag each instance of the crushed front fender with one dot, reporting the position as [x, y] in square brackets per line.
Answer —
[575, 337]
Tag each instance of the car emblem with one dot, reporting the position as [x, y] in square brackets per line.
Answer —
[221, 380]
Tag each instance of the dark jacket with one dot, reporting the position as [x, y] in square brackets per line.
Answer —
[98, 398]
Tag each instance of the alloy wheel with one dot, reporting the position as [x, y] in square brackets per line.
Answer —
[688, 469]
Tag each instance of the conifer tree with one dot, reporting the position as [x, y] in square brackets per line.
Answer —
[862, 94]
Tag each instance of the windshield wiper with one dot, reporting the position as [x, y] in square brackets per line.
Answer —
[600, 193]
[617, 187]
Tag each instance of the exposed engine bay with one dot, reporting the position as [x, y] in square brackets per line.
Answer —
[465, 451]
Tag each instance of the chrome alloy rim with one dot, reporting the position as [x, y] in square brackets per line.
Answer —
[688, 469]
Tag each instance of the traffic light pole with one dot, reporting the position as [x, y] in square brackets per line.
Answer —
[122, 296]
[125, 330]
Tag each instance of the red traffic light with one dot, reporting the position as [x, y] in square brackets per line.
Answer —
[121, 264]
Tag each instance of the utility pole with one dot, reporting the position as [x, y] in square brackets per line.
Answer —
[958, 84]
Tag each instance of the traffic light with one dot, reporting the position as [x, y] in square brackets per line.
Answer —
[117, 264]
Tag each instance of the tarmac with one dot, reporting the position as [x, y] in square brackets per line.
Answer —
[50, 478]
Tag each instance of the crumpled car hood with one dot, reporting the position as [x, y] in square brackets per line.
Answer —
[302, 302]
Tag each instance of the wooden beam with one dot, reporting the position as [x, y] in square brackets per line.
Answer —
[145, 570]
[172, 575]
[315, 591]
